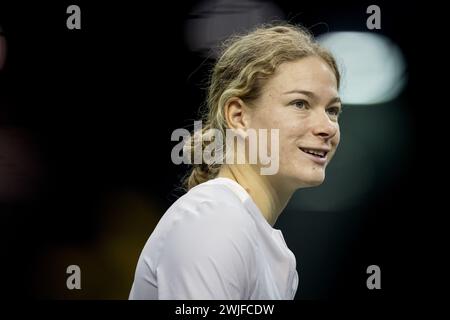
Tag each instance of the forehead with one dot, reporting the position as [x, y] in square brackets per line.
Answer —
[310, 73]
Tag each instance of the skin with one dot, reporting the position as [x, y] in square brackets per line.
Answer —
[306, 119]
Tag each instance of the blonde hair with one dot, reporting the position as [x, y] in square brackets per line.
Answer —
[244, 65]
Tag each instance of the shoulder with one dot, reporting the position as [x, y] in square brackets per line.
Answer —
[209, 219]
[206, 235]
[210, 202]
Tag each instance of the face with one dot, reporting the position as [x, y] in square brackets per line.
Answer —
[301, 100]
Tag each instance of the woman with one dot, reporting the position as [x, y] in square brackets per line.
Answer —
[218, 241]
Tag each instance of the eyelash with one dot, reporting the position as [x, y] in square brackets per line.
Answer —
[337, 110]
[302, 101]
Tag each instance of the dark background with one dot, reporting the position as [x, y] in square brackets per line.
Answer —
[89, 114]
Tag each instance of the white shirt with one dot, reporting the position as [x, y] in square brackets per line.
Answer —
[214, 243]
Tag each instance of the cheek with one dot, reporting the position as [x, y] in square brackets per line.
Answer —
[290, 139]
[335, 143]
[337, 138]
[269, 115]
[293, 130]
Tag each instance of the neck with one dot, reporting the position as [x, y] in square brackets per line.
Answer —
[270, 199]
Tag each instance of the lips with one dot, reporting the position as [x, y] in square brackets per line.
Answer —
[316, 154]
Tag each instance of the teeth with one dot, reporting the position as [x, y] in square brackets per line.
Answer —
[314, 152]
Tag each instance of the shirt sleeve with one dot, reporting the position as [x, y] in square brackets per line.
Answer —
[210, 255]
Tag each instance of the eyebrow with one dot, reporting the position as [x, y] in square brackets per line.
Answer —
[312, 95]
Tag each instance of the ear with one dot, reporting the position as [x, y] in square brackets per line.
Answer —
[236, 114]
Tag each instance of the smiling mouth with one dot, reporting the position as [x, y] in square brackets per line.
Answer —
[315, 152]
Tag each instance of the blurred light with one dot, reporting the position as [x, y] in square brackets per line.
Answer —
[20, 170]
[213, 21]
[2, 49]
[372, 66]
[127, 220]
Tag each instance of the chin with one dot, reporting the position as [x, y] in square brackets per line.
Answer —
[310, 180]
[315, 183]
[298, 179]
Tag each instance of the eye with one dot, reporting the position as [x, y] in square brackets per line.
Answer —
[300, 104]
[334, 111]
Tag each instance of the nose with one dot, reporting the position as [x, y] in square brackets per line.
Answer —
[323, 126]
